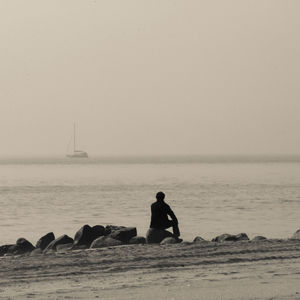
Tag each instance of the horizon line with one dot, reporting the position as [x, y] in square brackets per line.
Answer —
[149, 155]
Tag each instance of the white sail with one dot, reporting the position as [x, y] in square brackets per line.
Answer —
[76, 153]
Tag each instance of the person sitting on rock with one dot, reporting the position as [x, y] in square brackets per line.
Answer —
[160, 211]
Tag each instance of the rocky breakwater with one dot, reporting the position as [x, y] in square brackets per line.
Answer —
[86, 237]
[111, 235]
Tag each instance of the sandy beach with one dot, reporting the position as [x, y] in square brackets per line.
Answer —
[267, 269]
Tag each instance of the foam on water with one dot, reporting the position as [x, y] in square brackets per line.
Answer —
[209, 196]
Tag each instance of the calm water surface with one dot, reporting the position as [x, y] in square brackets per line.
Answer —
[209, 197]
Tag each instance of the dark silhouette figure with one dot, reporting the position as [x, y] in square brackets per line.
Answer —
[160, 211]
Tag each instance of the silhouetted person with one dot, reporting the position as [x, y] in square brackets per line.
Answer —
[160, 211]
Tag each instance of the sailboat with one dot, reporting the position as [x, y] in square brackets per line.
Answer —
[76, 153]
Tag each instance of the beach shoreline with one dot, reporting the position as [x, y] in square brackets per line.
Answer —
[267, 269]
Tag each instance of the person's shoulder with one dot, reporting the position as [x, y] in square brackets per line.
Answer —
[166, 205]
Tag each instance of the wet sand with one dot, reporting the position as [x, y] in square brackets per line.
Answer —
[232, 270]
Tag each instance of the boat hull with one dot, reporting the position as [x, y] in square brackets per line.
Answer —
[79, 154]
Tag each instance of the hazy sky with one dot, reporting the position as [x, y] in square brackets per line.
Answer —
[150, 77]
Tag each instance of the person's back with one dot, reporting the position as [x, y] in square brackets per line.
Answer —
[159, 215]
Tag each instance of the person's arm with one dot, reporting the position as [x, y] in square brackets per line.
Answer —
[172, 215]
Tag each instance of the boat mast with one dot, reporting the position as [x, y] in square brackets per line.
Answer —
[74, 145]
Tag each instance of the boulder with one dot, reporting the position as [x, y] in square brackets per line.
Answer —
[84, 236]
[169, 240]
[6, 249]
[37, 251]
[24, 246]
[110, 228]
[187, 243]
[199, 239]
[49, 252]
[231, 238]
[64, 247]
[296, 235]
[157, 235]
[64, 239]
[12, 250]
[45, 240]
[259, 238]
[98, 230]
[87, 234]
[242, 237]
[137, 240]
[105, 241]
[124, 234]
[224, 237]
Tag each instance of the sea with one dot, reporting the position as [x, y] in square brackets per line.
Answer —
[210, 194]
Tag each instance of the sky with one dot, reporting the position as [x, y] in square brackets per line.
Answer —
[149, 77]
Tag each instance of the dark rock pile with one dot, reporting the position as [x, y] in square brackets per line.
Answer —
[21, 246]
[86, 237]
[99, 236]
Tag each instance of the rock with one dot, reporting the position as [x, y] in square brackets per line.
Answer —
[259, 238]
[86, 234]
[296, 235]
[12, 250]
[224, 237]
[242, 237]
[157, 235]
[105, 241]
[124, 234]
[6, 249]
[98, 230]
[45, 240]
[169, 240]
[186, 243]
[137, 240]
[199, 239]
[37, 251]
[64, 247]
[64, 239]
[229, 237]
[110, 228]
[49, 252]
[23, 246]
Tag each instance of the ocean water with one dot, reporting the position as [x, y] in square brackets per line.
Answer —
[210, 195]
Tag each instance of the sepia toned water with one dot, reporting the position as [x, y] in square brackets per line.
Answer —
[210, 195]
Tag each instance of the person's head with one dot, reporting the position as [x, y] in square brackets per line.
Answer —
[160, 196]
